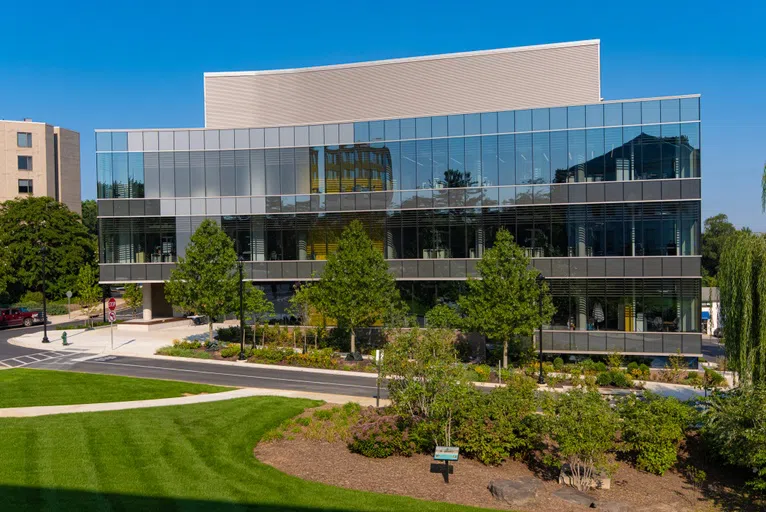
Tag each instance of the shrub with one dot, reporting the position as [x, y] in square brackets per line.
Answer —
[190, 345]
[632, 367]
[584, 427]
[604, 379]
[693, 379]
[497, 424]
[170, 350]
[379, 434]
[616, 378]
[31, 296]
[644, 369]
[231, 334]
[600, 367]
[483, 372]
[614, 360]
[734, 427]
[711, 379]
[558, 364]
[230, 350]
[653, 426]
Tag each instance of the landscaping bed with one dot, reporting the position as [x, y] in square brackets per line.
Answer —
[304, 449]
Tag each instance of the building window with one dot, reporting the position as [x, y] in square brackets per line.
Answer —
[25, 163]
[25, 186]
[24, 140]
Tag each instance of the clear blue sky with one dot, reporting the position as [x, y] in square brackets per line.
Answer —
[88, 65]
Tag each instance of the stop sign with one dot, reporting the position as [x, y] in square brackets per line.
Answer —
[112, 304]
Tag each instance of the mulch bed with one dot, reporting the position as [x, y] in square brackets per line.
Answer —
[333, 464]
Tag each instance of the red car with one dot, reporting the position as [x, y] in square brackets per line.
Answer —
[15, 316]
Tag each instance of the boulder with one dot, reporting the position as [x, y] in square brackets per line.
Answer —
[516, 492]
[572, 495]
[613, 506]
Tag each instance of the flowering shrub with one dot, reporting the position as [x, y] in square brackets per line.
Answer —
[314, 359]
[379, 434]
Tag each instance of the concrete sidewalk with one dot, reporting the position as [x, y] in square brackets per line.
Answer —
[27, 412]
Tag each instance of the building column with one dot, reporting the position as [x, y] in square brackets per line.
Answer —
[155, 303]
[147, 293]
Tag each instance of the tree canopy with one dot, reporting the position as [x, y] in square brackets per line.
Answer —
[716, 232]
[503, 303]
[205, 281]
[89, 293]
[28, 223]
[355, 287]
[742, 279]
[90, 216]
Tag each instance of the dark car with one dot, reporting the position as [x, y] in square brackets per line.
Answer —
[10, 317]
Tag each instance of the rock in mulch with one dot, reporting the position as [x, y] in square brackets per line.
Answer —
[516, 492]
[572, 495]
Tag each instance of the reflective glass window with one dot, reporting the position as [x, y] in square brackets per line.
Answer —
[423, 127]
[242, 166]
[523, 120]
[316, 135]
[690, 150]
[489, 122]
[671, 151]
[273, 184]
[489, 160]
[211, 139]
[612, 114]
[651, 153]
[631, 112]
[541, 119]
[120, 175]
[395, 159]
[392, 129]
[472, 161]
[457, 176]
[196, 139]
[136, 174]
[439, 126]
[650, 111]
[228, 174]
[362, 132]
[576, 117]
[455, 125]
[616, 167]
[151, 141]
[524, 163]
[424, 167]
[197, 173]
[287, 170]
[302, 171]
[103, 141]
[271, 137]
[541, 158]
[472, 124]
[690, 109]
[558, 118]
[559, 157]
[181, 174]
[506, 122]
[594, 115]
[506, 159]
[377, 131]
[104, 175]
[331, 134]
[119, 141]
[595, 154]
[286, 136]
[167, 174]
[316, 165]
[166, 141]
[152, 174]
[440, 153]
[576, 156]
[671, 111]
[408, 165]
[257, 172]
[347, 168]
[408, 128]
[241, 138]
[226, 139]
[631, 152]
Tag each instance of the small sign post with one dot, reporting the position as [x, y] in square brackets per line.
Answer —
[112, 318]
[447, 454]
[379, 362]
[68, 303]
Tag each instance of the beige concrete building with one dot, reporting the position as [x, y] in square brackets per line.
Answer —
[37, 159]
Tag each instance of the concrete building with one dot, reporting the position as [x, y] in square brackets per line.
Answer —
[711, 310]
[434, 154]
[37, 159]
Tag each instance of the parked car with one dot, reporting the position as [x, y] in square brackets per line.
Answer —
[10, 317]
[718, 332]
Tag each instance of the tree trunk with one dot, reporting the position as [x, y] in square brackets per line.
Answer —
[353, 341]
[210, 331]
[505, 354]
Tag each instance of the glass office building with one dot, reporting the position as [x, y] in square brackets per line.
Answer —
[604, 197]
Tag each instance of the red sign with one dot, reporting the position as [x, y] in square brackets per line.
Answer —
[112, 304]
[112, 316]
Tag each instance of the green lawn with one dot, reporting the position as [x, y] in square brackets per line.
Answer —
[23, 387]
[190, 457]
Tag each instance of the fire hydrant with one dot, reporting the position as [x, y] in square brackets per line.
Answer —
[63, 339]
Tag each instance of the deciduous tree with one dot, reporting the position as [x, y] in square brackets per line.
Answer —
[503, 303]
[716, 232]
[25, 225]
[257, 305]
[356, 287]
[88, 291]
[205, 281]
[134, 297]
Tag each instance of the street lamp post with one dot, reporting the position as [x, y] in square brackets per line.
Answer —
[241, 312]
[540, 279]
[43, 251]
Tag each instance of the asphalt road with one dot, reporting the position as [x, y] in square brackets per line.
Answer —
[58, 358]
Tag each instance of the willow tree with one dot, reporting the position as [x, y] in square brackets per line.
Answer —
[742, 280]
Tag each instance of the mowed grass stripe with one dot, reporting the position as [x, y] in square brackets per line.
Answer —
[192, 457]
[25, 387]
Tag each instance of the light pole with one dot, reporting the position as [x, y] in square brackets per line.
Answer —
[240, 262]
[540, 280]
[43, 251]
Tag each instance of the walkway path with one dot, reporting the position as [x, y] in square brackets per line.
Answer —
[26, 412]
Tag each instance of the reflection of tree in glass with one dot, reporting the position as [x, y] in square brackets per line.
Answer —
[455, 179]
